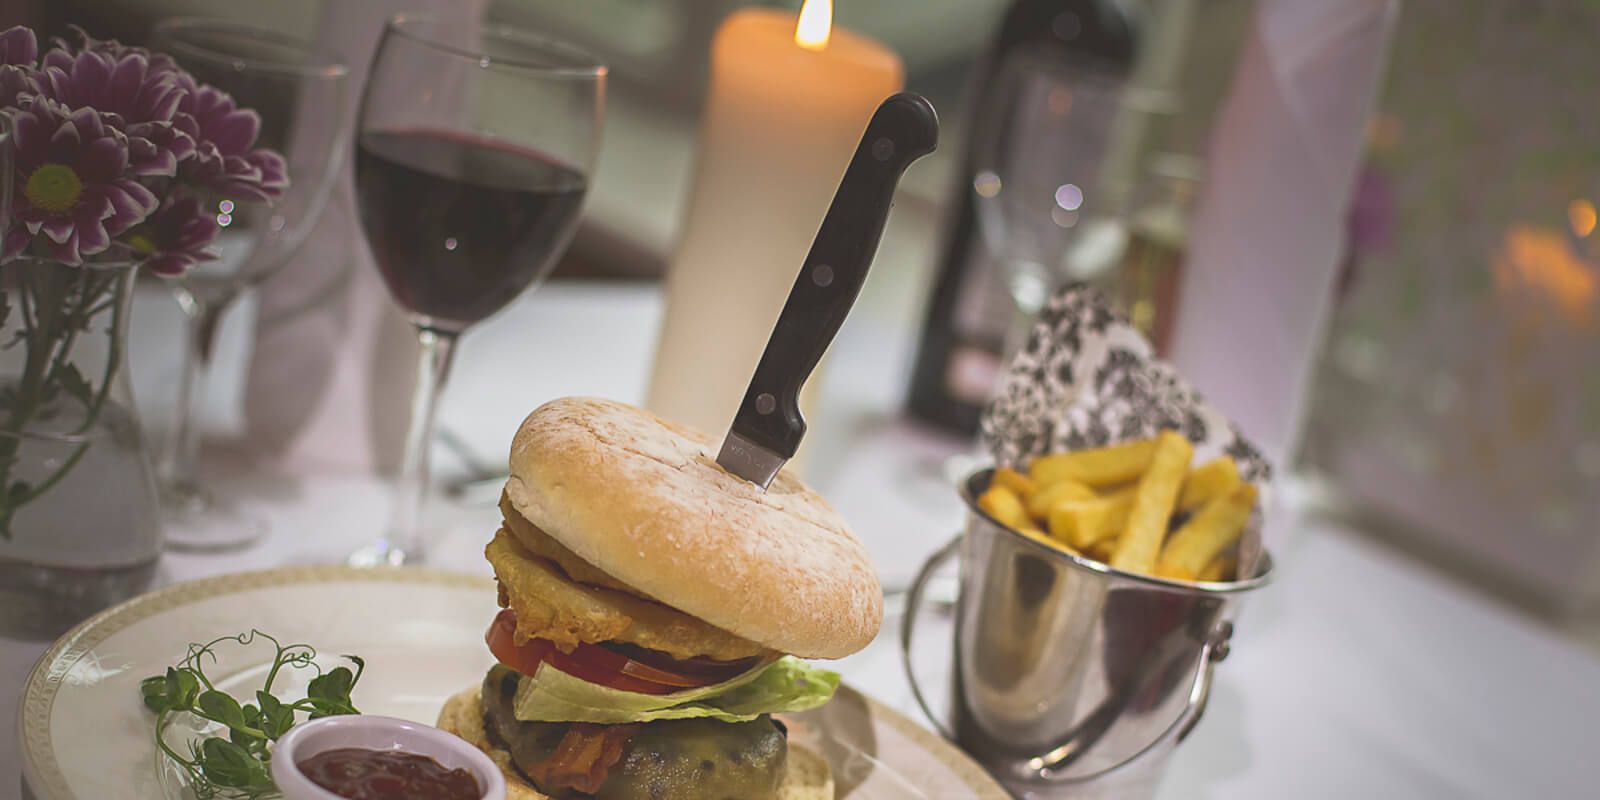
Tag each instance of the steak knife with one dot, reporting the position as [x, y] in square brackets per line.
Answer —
[768, 427]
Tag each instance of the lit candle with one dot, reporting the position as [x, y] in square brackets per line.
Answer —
[787, 102]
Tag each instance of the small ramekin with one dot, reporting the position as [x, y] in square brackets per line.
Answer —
[375, 733]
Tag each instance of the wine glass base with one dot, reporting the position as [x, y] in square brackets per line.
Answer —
[196, 521]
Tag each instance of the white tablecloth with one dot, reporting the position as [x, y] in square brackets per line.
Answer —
[1357, 674]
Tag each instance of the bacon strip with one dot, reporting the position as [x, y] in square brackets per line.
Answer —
[583, 758]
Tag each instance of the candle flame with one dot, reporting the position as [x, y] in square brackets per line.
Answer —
[816, 22]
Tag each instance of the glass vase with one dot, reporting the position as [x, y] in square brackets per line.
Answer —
[79, 517]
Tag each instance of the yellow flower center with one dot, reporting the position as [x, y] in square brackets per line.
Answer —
[53, 187]
[141, 243]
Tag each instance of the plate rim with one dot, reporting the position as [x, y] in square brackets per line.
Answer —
[42, 773]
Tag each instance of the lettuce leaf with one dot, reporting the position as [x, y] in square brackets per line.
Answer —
[787, 684]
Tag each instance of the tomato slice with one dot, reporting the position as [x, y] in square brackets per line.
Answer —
[613, 666]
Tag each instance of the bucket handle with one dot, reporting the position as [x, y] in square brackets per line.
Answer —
[1199, 695]
[908, 620]
[1213, 650]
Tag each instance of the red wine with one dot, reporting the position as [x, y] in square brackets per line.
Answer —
[461, 225]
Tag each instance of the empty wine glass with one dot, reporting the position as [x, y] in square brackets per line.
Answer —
[300, 94]
[474, 147]
[1039, 165]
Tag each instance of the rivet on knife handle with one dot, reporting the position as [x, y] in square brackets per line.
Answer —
[768, 427]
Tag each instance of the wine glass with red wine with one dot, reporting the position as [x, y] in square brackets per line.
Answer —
[473, 151]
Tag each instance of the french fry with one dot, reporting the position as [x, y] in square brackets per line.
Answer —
[1122, 491]
[1081, 523]
[1221, 568]
[1152, 506]
[1210, 480]
[1004, 505]
[1214, 528]
[1019, 484]
[1207, 482]
[1102, 466]
[1053, 494]
[1034, 533]
[1101, 551]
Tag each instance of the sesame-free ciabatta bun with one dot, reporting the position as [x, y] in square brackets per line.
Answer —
[806, 775]
[643, 500]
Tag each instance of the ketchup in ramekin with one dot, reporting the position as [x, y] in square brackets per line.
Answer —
[358, 773]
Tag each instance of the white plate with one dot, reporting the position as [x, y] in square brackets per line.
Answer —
[86, 736]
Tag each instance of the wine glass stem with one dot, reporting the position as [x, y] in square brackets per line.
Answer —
[202, 316]
[1029, 288]
[437, 350]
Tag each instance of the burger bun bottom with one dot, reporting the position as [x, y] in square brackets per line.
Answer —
[806, 777]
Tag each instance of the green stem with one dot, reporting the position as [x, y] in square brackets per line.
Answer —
[246, 729]
[277, 663]
[71, 322]
[42, 338]
[92, 414]
[119, 311]
[40, 335]
[162, 720]
[25, 281]
[55, 478]
[50, 332]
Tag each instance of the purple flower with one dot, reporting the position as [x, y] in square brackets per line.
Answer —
[224, 135]
[159, 62]
[18, 47]
[18, 53]
[175, 237]
[15, 83]
[111, 143]
[130, 96]
[74, 189]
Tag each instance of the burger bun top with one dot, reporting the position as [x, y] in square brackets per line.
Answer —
[644, 500]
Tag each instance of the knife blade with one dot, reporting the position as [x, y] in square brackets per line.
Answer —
[768, 427]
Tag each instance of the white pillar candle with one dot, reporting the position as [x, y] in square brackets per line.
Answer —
[786, 105]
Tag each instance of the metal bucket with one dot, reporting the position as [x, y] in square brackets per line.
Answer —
[1072, 679]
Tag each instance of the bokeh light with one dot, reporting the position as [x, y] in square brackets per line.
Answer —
[986, 184]
[1581, 215]
[1069, 196]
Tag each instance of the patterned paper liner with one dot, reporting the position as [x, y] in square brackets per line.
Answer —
[1086, 378]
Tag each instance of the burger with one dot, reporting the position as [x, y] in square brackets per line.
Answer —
[654, 611]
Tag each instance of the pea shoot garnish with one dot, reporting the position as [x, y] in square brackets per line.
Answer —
[235, 766]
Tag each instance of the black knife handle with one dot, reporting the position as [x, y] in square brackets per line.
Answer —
[903, 129]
